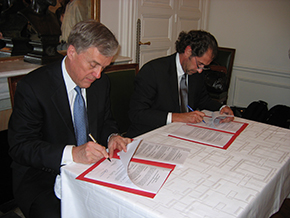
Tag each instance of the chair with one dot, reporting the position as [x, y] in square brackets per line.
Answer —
[7, 202]
[122, 86]
[225, 58]
[12, 83]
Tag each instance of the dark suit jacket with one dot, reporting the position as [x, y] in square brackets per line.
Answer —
[156, 94]
[41, 126]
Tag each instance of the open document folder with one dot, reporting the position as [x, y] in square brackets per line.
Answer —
[136, 175]
[211, 132]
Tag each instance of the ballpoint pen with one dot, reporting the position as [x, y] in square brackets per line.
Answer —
[94, 140]
[192, 111]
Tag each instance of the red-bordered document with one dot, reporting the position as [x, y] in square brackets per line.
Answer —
[138, 176]
[210, 132]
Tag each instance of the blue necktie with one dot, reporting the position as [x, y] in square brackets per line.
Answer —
[183, 94]
[80, 118]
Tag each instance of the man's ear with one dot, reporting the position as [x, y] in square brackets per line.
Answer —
[71, 52]
[188, 51]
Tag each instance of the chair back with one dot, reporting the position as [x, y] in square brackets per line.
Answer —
[122, 86]
[12, 83]
[225, 57]
[222, 63]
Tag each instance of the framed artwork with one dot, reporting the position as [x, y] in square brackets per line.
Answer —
[90, 9]
[95, 9]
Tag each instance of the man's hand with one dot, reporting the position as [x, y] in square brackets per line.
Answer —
[92, 152]
[227, 110]
[190, 117]
[89, 153]
[117, 142]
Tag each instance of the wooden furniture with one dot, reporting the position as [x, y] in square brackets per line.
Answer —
[12, 83]
[122, 87]
[11, 66]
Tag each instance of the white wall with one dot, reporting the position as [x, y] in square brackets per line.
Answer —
[118, 15]
[109, 15]
[259, 30]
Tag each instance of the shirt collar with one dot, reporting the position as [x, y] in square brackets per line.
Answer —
[69, 83]
[179, 69]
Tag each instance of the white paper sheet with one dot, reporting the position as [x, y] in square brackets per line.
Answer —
[202, 135]
[129, 174]
[212, 120]
[162, 153]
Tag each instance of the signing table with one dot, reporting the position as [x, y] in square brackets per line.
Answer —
[250, 178]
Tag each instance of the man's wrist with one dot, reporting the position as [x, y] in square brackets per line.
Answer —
[113, 134]
[223, 107]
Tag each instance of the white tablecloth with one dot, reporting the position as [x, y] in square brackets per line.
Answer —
[249, 179]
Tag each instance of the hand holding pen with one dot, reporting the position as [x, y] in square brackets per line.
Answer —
[94, 140]
[116, 142]
[192, 111]
[191, 117]
[89, 153]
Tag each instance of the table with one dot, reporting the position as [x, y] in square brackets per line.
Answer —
[249, 179]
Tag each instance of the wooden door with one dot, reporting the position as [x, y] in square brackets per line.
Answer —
[161, 21]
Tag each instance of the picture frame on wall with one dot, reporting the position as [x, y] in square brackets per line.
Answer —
[95, 9]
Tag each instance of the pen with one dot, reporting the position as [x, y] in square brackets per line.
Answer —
[94, 140]
[193, 110]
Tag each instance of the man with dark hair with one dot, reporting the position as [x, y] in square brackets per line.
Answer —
[165, 87]
[55, 109]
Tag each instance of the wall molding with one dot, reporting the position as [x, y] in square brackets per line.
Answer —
[127, 27]
[249, 84]
[263, 71]
[260, 82]
[205, 14]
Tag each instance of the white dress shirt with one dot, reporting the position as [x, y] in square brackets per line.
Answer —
[180, 73]
[67, 152]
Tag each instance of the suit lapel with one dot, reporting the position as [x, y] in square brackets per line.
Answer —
[60, 93]
[173, 81]
[63, 107]
[92, 110]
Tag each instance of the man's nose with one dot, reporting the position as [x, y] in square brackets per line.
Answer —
[97, 72]
[199, 70]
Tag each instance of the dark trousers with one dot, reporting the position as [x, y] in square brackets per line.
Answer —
[46, 205]
[35, 194]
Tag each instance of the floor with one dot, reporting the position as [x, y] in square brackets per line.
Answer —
[16, 213]
[284, 211]
[10, 210]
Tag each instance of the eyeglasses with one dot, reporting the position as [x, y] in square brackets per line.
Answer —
[201, 66]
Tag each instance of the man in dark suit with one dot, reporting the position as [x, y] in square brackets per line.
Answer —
[156, 100]
[42, 128]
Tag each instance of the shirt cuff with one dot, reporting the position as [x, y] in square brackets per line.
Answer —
[67, 155]
[169, 118]
[223, 107]
[66, 159]
[111, 136]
